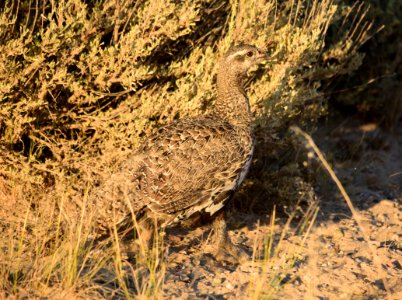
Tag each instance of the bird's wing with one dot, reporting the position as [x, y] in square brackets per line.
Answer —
[190, 165]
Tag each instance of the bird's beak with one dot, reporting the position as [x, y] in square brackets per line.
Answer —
[265, 55]
[262, 55]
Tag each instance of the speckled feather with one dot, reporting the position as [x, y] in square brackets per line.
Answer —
[191, 165]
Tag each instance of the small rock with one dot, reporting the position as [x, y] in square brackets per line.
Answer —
[218, 280]
[397, 265]
[229, 286]
[185, 278]
[379, 284]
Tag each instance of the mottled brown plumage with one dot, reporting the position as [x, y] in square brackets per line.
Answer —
[192, 165]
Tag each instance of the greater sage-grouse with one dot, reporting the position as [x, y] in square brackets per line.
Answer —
[192, 165]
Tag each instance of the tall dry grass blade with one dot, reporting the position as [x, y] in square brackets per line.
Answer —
[20, 248]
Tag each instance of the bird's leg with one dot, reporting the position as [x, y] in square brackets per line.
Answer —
[145, 233]
[223, 241]
[143, 242]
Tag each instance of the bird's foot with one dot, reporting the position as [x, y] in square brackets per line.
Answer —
[226, 250]
[140, 245]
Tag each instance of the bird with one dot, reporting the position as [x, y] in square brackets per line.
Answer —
[190, 166]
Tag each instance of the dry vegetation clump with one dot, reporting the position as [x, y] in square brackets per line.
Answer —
[83, 83]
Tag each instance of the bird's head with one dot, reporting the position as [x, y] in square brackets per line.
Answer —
[239, 59]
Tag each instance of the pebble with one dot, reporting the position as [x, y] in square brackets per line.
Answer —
[218, 280]
[229, 286]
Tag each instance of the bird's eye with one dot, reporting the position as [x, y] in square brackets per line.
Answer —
[250, 54]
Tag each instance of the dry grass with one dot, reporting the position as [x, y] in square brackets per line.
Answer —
[82, 84]
[278, 256]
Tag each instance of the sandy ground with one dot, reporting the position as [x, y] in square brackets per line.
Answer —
[337, 261]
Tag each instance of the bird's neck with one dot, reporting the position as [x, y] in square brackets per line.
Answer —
[232, 103]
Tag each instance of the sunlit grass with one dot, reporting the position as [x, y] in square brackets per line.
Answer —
[277, 256]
